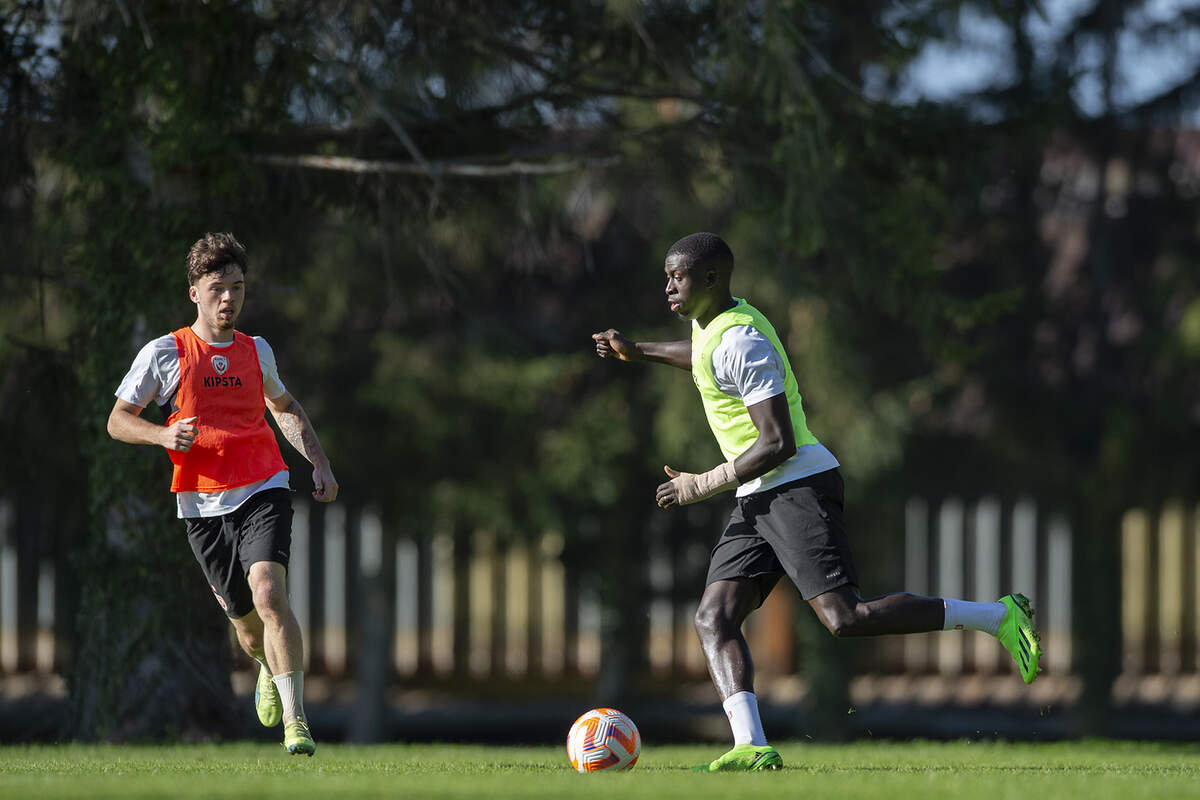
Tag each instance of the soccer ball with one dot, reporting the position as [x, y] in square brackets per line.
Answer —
[603, 738]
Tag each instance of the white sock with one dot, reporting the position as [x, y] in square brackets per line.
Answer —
[742, 710]
[291, 694]
[984, 617]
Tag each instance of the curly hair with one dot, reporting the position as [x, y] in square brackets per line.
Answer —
[215, 252]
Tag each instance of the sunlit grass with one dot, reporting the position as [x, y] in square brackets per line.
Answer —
[962, 770]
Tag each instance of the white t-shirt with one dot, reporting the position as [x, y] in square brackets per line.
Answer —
[154, 376]
[747, 366]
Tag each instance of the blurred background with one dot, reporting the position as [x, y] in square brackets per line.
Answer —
[975, 225]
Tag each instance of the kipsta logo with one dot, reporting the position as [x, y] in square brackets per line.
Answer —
[220, 364]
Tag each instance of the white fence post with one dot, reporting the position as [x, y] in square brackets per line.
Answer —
[986, 578]
[950, 578]
[9, 633]
[1195, 535]
[1170, 589]
[916, 574]
[371, 651]
[553, 622]
[589, 631]
[482, 592]
[1024, 549]
[1135, 572]
[1058, 596]
[46, 644]
[442, 582]
[516, 609]
[334, 634]
[406, 646]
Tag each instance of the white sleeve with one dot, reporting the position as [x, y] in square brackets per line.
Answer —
[154, 375]
[272, 385]
[746, 365]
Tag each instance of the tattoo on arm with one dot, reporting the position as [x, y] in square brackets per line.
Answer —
[298, 430]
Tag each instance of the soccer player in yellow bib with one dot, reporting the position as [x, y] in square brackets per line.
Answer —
[788, 517]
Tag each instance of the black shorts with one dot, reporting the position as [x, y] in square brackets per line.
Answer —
[260, 529]
[794, 529]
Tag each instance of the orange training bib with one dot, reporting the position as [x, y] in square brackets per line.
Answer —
[223, 388]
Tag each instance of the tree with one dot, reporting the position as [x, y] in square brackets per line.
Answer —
[1070, 188]
[443, 201]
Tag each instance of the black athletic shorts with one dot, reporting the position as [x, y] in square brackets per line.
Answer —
[260, 529]
[794, 529]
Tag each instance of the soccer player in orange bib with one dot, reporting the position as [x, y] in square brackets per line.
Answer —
[788, 517]
[230, 480]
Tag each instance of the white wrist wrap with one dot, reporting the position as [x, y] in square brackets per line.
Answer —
[690, 487]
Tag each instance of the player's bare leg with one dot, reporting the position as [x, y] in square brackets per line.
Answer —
[281, 632]
[249, 630]
[844, 613]
[723, 608]
[284, 650]
[1009, 619]
[250, 635]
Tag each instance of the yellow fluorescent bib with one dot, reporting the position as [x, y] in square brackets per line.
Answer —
[727, 416]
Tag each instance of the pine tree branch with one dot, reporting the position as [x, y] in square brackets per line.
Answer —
[444, 168]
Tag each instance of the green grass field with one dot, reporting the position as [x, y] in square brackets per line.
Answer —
[890, 770]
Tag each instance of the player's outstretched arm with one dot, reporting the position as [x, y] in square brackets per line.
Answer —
[611, 344]
[296, 427]
[125, 424]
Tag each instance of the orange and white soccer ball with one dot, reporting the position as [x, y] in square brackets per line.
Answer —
[603, 738]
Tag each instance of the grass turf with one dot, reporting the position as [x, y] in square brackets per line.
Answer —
[960, 770]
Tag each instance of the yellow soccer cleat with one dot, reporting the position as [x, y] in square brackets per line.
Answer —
[266, 699]
[296, 738]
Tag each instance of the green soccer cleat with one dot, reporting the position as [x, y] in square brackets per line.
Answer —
[266, 699]
[746, 758]
[296, 738]
[1019, 637]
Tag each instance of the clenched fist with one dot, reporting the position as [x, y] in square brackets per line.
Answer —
[612, 343]
[180, 435]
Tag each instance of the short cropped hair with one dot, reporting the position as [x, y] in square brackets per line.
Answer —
[215, 252]
[703, 250]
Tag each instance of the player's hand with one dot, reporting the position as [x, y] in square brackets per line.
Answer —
[180, 435]
[325, 486]
[611, 343]
[667, 494]
[689, 487]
